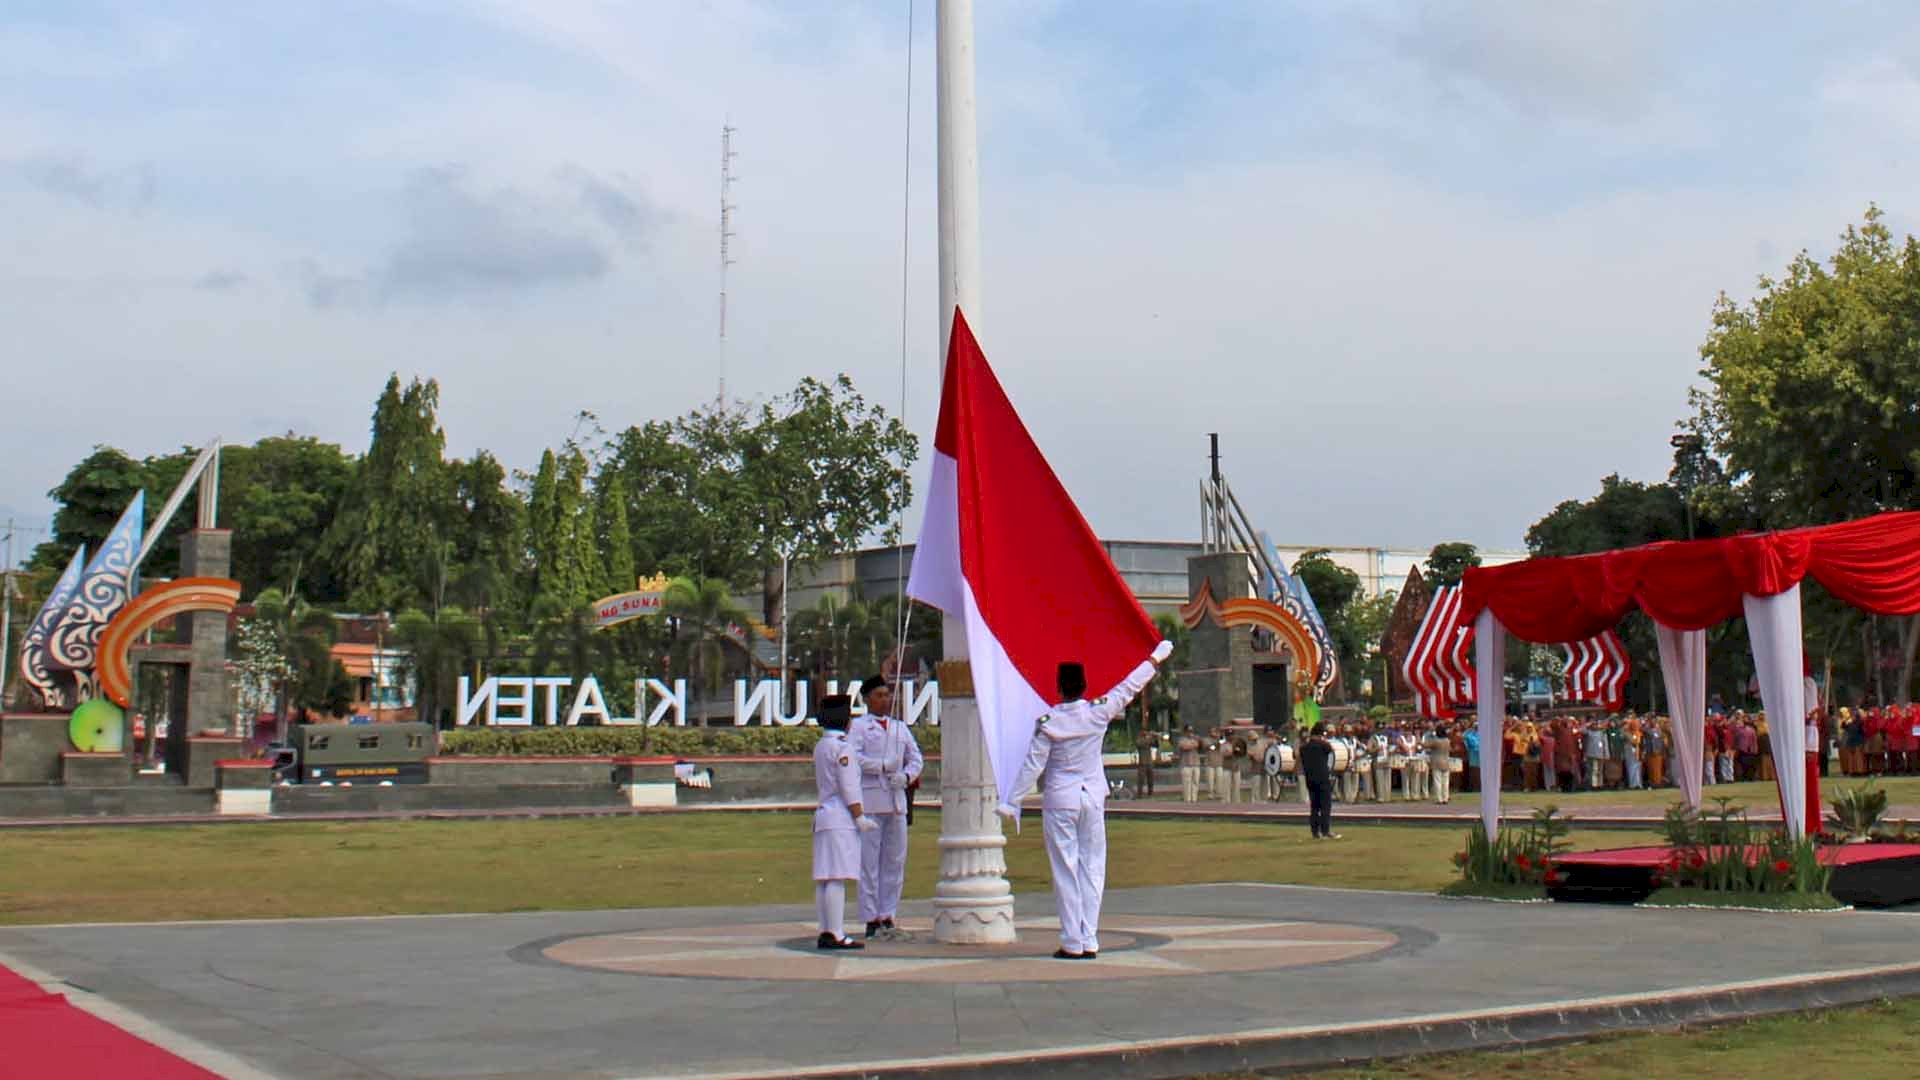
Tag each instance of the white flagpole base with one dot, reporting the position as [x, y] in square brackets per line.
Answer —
[973, 903]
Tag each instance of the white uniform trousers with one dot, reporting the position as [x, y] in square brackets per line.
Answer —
[1382, 780]
[1189, 783]
[1077, 850]
[1442, 783]
[1417, 778]
[1349, 785]
[883, 867]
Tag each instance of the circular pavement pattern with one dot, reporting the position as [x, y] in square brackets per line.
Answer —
[1131, 947]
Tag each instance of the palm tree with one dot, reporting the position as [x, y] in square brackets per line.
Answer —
[438, 647]
[704, 609]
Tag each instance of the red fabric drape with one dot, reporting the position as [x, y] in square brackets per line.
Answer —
[1872, 563]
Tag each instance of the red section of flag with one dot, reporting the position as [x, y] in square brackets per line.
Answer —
[1041, 579]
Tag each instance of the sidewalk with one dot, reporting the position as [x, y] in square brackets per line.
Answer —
[1193, 979]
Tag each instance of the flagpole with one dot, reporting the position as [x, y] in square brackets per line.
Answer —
[973, 903]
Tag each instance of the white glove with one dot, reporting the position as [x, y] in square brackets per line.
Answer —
[897, 781]
[1162, 651]
[866, 824]
[1008, 812]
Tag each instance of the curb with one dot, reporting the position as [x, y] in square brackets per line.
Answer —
[1326, 1047]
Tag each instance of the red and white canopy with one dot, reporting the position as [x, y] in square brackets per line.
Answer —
[1685, 586]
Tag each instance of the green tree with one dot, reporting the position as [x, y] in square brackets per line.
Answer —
[89, 500]
[703, 609]
[724, 493]
[438, 648]
[1447, 563]
[561, 536]
[1810, 401]
[489, 552]
[386, 539]
[1335, 591]
[613, 533]
[279, 497]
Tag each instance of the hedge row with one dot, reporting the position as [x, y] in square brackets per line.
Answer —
[639, 741]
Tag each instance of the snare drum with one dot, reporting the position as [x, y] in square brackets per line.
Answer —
[1342, 756]
[1457, 765]
[1397, 761]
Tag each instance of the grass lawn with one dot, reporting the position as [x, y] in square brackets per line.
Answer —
[407, 867]
[1875, 1042]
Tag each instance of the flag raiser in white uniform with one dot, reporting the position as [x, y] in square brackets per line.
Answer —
[1064, 756]
[889, 760]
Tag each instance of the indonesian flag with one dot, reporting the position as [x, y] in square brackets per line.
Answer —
[1004, 549]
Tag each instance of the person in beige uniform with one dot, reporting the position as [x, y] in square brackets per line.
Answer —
[1216, 770]
[1189, 750]
[1439, 755]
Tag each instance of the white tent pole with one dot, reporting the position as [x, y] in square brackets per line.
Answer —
[1490, 668]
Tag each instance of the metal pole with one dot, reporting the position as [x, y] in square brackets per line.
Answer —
[6, 614]
[783, 633]
[973, 903]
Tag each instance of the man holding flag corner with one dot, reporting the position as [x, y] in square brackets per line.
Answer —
[1064, 757]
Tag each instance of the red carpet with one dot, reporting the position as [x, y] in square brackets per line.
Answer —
[42, 1036]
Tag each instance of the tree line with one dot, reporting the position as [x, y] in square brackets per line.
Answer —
[470, 565]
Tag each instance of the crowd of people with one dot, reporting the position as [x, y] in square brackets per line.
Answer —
[1378, 761]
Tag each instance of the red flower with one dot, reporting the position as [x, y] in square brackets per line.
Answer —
[1782, 866]
[1698, 861]
[1459, 858]
[1553, 877]
[1521, 862]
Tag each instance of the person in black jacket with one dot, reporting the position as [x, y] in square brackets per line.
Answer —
[1316, 764]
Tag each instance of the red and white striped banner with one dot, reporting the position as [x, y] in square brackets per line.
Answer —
[1597, 670]
[1438, 665]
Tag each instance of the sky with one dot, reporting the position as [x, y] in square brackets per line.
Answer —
[1428, 268]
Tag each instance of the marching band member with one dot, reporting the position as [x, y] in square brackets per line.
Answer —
[889, 760]
[837, 823]
[1350, 780]
[1413, 776]
[1189, 747]
[1380, 748]
[1437, 754]
[1065, 757]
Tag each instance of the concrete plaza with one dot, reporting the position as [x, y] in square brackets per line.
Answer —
[1190, 979]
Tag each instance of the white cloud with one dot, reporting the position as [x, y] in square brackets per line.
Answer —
[1328, 264]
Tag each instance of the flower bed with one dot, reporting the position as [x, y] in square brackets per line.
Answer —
[1721, 852]
[1515, 865]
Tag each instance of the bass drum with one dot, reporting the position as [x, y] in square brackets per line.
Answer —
[1279, 759]
[1342, 756]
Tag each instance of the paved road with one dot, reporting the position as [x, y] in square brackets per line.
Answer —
[477, 996]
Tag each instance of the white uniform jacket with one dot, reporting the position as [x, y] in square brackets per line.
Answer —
[882, 751]
[1065, 753]
[837, 778]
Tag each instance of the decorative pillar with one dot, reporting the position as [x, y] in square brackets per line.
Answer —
[973, 903]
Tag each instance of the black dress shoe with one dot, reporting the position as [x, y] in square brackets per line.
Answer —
[1090, 954]
[873, 928]
[829, 942]
[1062, 954]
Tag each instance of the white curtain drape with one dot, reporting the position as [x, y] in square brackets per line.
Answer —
[1490, 666]
[1683, 667]
[1773, 625]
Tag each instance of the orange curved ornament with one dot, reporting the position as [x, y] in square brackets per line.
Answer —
[1255, 612]
[148, 610]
